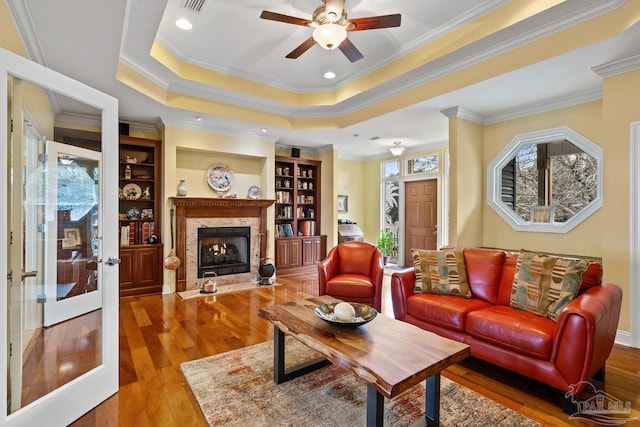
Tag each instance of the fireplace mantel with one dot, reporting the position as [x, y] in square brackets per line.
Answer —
[204, 207]
[207, 202]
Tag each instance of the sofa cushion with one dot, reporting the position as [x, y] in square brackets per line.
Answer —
[506, 281]
[526, 292]
[441, 272]
[566, 276]
[354, 285]
[517, 330]
[484, 270]
[443, 310]
[591, 277]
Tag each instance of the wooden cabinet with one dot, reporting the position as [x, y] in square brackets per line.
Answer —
[139, 216]
[299, 242]
[140, 270]
[288, 253]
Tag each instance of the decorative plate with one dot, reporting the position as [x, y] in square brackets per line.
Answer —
[254, 192]
[220, 177]
[132, 191]
[364, 314]
[133, 213]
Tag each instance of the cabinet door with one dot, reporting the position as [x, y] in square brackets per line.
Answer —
[295, 253]
[127, 268]
[319, 249]
[147, 266]
[308, 252]
[282, 253]
[288, 253]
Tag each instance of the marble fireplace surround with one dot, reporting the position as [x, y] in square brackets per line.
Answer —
[194, 212]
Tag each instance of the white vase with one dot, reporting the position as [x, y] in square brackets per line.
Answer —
[182, 188]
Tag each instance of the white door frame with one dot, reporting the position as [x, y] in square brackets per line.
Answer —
[90, 389]
[635, 237]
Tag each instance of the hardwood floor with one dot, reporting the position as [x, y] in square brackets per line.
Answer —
[158, 332]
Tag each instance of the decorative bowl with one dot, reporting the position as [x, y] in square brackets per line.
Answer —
[364, 314]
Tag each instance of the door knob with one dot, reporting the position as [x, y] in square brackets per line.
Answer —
[113, 261]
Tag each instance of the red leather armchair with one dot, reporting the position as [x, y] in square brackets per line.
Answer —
[353, 272]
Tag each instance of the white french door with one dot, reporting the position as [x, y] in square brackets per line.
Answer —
[30, 203]
[72, 235]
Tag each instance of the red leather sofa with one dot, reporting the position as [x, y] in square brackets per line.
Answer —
[560, 354]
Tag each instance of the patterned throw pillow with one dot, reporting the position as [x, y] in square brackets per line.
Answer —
[441, 272]
[544, 285]
[564, 285]
[531, 270]
[421, 267]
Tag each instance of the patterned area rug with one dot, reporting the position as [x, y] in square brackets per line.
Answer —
[237, 389]
[224, 289]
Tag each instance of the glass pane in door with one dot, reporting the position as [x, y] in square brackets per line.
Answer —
[56, 295]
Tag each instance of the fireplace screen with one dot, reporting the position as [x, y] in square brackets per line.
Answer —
[223, 250]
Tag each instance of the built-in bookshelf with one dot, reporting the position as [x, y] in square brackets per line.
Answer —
[299, 241]
[139, 216]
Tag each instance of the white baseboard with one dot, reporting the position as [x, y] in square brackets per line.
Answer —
[624, 338]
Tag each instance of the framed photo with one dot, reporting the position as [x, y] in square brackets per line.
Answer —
[71, 238]
[542, 214]
[146, 214]
[343, 204]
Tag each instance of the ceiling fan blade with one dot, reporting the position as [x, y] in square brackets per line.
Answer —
[305, 46]
[350, 50]
[374, 22]
[273, 16]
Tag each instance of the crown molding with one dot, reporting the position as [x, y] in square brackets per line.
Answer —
[463, 114]
[203, 127]
[26, 29]
[617, 67]
[543, 107]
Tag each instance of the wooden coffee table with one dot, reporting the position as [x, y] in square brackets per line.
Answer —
[392, 356]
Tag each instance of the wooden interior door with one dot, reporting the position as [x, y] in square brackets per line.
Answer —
[421, 217]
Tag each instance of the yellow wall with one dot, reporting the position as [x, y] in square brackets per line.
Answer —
[584, 239]
[621, 107]
[465, 190]
[351, 181]
[373, 202]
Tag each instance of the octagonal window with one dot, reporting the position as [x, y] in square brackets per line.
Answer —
[546, 181]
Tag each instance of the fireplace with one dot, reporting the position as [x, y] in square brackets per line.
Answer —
[223, 250]
[193, 213]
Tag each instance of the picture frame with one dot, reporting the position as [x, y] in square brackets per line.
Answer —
[343, 204]
[71, 238]
[542, 214]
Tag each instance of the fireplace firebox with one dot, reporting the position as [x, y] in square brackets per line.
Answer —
[223, 250]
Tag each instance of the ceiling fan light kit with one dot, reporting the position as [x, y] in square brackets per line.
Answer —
[331, 25]
[329, 36]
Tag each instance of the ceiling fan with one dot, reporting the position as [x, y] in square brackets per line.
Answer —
[331, 25]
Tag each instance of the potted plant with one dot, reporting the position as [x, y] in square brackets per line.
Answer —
[385, 244]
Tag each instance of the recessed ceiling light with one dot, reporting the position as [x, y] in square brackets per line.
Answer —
[184, 24]
[264, 130]
[198, 118]
[329, 75]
